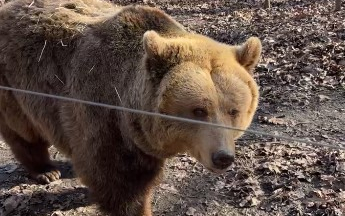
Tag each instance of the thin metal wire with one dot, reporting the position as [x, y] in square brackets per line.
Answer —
[125, 109]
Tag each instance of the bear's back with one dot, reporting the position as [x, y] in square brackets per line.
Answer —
[52, 19]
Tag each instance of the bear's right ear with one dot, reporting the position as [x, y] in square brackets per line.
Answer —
[154, 44]
[248, 54]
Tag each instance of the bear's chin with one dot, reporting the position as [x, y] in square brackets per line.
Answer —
[217, 171]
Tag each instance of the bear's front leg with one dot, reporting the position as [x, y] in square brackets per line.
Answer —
[138, 205]
[120, 180]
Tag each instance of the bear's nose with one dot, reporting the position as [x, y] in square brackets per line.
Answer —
[222, 159]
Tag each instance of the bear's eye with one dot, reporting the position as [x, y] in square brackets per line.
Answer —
[200, 112]
[233, 112]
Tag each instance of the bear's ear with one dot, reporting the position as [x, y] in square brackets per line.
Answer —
[154, 44]
[248, 54]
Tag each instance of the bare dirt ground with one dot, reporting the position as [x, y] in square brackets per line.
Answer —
[301, 75]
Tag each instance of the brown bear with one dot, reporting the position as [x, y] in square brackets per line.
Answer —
[136, 57]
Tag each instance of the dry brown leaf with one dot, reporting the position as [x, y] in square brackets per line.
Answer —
[254, 201]
[317, 193]
[277, 121]
[323, 98]
[168, 187]
[327, 178]
[340, 166]
[191, 211]
[341, 195]
[219, 185]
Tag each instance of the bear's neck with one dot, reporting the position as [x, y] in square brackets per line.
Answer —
[125, 80]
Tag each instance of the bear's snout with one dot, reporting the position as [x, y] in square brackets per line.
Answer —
[222, 159]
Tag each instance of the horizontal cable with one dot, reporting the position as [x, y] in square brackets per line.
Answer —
[170, 117]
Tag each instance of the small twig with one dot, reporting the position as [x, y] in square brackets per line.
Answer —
[91, 69]
[59, 79]
[33, 1]
[45, 43]
[62, 44]
[118, 95]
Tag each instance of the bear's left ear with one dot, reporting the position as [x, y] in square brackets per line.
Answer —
[154, 44]
[248, 54]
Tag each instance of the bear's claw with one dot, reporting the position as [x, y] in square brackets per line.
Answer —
[47, 177]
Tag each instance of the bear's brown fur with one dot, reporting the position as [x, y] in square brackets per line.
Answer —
[136, 57]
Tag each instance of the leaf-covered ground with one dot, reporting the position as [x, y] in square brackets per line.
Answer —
[301, 76]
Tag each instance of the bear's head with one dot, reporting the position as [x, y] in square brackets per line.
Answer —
[193, 76]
